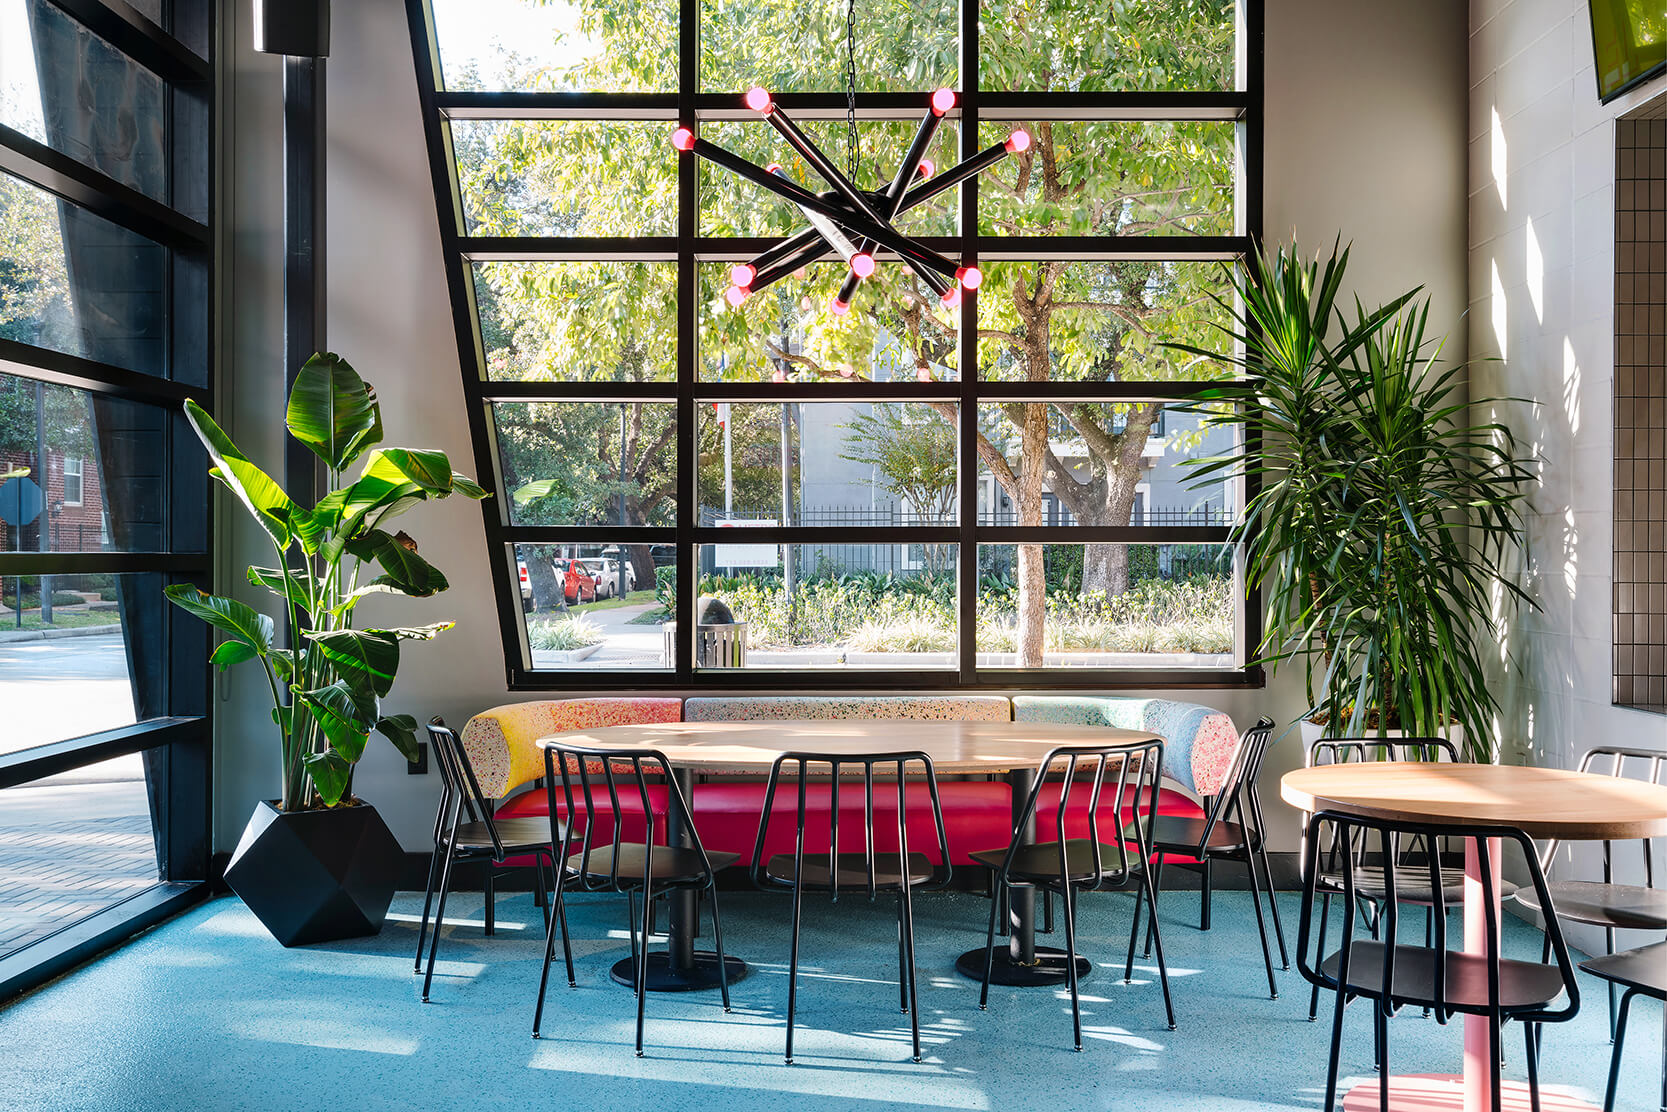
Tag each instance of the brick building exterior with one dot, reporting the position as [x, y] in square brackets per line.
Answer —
[74, 504]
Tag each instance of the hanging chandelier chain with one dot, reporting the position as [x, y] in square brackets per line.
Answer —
[851, 137]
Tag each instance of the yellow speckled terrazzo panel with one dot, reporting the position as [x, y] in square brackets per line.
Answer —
[739, 708]
[502, 742]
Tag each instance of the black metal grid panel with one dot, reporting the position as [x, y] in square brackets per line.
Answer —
[1243, 106]
[175, 671]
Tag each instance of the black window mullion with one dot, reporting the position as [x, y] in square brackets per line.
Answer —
[966, 563]
[688, 357]
[122, 26]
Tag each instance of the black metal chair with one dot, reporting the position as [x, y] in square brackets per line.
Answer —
[1641, 972]
[1446, 983]
[1243, 838]
[629, 867]
[1604, 903]
[466, 833]
[1369, 889]
[870, 871]
[1072, 865]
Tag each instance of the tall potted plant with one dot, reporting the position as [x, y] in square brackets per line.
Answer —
[317, 863]
[1382, 517]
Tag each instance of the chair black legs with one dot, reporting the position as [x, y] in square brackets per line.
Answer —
[642, 959]
[1615, 1056]
[1319, 954]
[1157, 939]
[1261, 922]
[913, 1002]
[990, 942]
[428, 902]
[1380, 1044]
[793, 969]
[558, 920]
[1336, 1051]
[1066, 901]
[1204, 897]
[489, 886]
[718, 943]
[439, 921]
[1531, 1045]
[1273, 905]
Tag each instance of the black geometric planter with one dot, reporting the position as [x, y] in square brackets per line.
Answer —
[316, 876]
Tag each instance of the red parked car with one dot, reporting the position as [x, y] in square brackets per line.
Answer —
[578, 584]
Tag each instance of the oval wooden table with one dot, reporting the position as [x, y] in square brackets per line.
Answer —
[1543, 802]
[1012, 749]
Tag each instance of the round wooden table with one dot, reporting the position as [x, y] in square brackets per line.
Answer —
[1544, 803]
[1011, 749]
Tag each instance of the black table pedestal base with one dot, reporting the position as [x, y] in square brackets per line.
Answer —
[1050, 967]
[703, 974]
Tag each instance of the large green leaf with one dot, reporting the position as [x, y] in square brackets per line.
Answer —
[331, 410]
[330, 774]
[426, 467]
[404, 570]
[282, 582]
[342, 706]
[243, 623]
[259, 493]
[228, 653]
[417, 633]
[401, 729]
[362, 657]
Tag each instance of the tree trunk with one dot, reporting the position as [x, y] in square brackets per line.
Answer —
[1105, 567]
[548, 593]
[1033, 586]
[642, 562]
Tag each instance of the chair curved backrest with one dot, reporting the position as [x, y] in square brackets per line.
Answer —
[1238, 788]
[460, 792]
[1620, 759]
[837, 764]
[1354, 750]
[1393, 836]
[1135, 768]
[571, 775]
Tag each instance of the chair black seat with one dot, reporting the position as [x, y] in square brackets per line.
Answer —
[852, 869]
[1523, 985]
[519, 836]
[1644, 969]
[1183, 833]
[1605, 905]
[1411, 883]
[671, 864]
[1039, 863]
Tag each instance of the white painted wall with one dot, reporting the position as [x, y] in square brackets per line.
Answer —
[1542, 173]
[1366, 140]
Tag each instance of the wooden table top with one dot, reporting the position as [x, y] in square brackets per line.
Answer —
[954, 746]
[1543, 802]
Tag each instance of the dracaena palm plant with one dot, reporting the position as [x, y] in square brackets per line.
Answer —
[1382, 517]
[327, 683]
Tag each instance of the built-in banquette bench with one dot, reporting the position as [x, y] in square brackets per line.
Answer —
[502, 747]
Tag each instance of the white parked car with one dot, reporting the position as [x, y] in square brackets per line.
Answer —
[606, 571]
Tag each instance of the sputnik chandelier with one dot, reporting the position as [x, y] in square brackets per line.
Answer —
[851, 221]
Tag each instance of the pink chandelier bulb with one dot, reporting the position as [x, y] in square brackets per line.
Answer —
[924, 374]
[736, 296]
[742, 274]
[927, 168]
[779, 375]
[943, 100]
[1018, 141]
[839, 308]
[758, 99]
[970, 277]
[773, 168]
[846, 370]
[683, 139]
[951, 298]
[801, 272]
[862, 264]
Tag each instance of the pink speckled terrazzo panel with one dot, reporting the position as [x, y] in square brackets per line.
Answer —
[741, 708]
[1199, 741]
[502, 743]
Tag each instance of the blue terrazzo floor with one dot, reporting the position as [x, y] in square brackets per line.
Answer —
[207, 1012]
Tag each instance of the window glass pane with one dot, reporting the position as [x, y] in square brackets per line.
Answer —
[574, 616]
[1105, 464]
[562, 463]
[566, 177]
[1102, 321]
[69, 668]
[75, 844]
[895, 329]
[100, 486]
[81, 285]
[556, 45]
[62, 85]
[578, 322]
[1107, 606]
[846, 463]
[799, 46]
[732, 206]
[831, 607]
[1071, 45]
[1114, 177]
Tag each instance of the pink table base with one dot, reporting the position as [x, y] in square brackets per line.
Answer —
[1472, 1092]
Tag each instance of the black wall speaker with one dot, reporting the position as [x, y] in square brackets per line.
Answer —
[296, 27]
